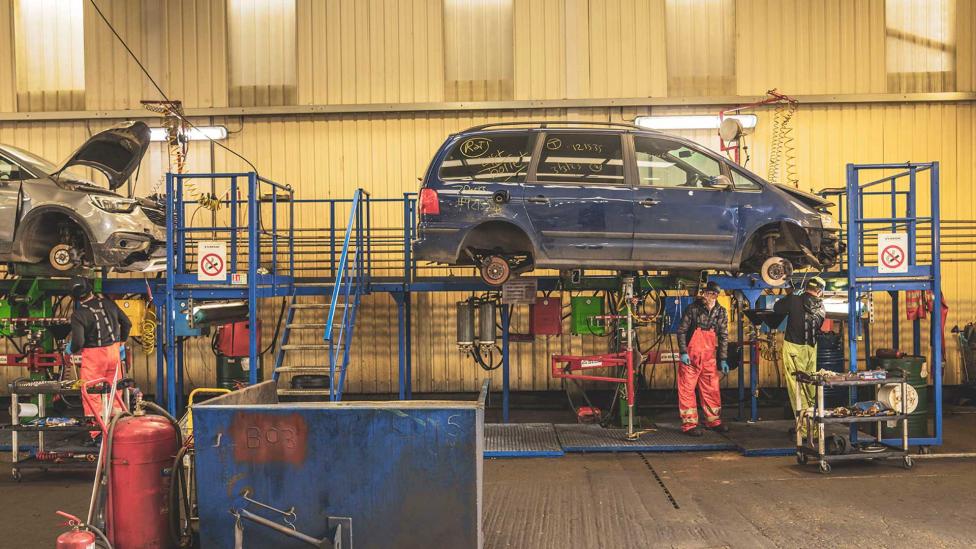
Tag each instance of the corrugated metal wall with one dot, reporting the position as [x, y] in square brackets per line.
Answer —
[393, 52]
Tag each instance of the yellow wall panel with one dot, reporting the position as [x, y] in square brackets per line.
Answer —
[810, 47]
[113, 80]
[8, 72]
[372, 51]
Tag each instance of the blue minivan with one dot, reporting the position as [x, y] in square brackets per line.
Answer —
[510, 197]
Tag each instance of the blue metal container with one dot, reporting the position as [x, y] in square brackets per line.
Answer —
[393, 474]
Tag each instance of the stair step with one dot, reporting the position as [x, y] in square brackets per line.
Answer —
[304, 392]
[308, 346]
[316, 305]
[304, 369]
[306, 325]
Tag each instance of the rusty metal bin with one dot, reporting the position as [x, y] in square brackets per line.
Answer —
[387, 474]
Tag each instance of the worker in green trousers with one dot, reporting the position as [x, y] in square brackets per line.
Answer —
[805, 315]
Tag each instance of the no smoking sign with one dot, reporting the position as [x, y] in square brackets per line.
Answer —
[212, 261]
[893, 253]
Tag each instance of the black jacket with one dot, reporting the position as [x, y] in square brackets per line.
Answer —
[98, 322]
[805, 317]
[698, 316]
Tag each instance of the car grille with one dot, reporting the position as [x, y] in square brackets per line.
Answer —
[158, 217]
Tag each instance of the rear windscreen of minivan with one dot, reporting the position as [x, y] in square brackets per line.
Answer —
[489, 157]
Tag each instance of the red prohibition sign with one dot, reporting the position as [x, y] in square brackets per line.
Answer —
[212, 264]
[892, 256]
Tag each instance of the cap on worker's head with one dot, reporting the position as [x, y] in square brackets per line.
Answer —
[80, 287]
[816, 282]
[713, 286]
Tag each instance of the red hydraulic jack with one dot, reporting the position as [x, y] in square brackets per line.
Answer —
[564, 366]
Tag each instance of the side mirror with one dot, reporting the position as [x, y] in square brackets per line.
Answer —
[720, 182]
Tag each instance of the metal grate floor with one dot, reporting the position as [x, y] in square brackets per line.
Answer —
[521, 440]
[667, 438]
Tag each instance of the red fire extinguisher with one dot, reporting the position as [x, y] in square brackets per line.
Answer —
[76, 538]
[139, 462]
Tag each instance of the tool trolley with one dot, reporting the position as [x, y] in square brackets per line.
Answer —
[812, 446]
[47, 456]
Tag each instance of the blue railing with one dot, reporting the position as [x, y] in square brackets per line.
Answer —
[352, 279]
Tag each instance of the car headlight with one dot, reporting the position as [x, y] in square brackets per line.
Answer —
[113, 204]
[828, 221]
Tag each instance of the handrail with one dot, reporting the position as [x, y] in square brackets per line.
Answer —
[340, 272]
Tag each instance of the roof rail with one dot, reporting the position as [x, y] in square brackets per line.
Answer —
[548, 123]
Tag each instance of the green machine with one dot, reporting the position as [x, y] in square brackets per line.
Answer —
[584, 308]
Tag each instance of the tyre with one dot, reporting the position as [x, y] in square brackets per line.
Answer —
[824, 467]
[908, 462]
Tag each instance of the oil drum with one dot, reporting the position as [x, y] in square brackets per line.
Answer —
[915, 368]
[830, 356]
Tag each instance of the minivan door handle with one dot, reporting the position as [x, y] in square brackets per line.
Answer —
[648, 202]
[537, 199]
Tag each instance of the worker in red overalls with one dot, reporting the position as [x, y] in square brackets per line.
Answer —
[98, 331]
[707, 323]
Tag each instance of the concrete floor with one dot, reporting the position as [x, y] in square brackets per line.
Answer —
[605, 500]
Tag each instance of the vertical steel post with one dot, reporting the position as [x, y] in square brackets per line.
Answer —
[741, 369]
[407, 271]
[506, 322]
[291, 232]
[172, 256]
[853, 253]
[332, 241]
[274, 231]
[233, 224]
[754, 377]
[160, 363]
[401, 345]
[937, 302]
[253, 261]
[407, 312]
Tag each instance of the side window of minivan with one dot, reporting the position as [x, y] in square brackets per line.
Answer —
[743, 183]
[666, 163]
[489, 157]
[581, 158]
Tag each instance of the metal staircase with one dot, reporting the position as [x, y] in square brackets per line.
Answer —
[351, 282]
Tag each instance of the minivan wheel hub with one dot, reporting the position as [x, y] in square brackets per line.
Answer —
[495, 270]
[62, 257]
[776, 270]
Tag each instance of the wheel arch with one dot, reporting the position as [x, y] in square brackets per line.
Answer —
[791, 234]
[42, 234]
[494, 230]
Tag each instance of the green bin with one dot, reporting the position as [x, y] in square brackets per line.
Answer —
[233, 371]
[917, 371]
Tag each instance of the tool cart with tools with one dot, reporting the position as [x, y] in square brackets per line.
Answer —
[814, 442]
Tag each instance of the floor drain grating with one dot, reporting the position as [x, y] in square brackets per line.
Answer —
[667, 493]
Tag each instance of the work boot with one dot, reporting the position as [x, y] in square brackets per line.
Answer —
[720, 428]
[696, 432]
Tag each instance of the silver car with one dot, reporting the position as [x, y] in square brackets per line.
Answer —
[54, 219]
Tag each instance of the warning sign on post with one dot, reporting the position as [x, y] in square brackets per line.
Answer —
[893, 253]
[212, 261]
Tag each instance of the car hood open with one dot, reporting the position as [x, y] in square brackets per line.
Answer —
[116, 152]
[809, 199]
